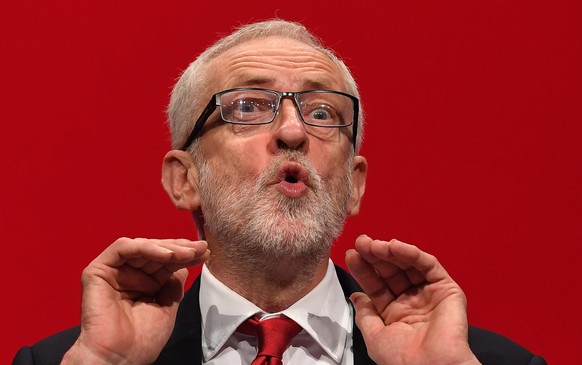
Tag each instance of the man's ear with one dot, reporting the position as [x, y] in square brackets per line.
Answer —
[180, 180]
[359, 172]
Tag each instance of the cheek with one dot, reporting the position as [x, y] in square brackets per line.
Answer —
[244, 159]
[330, 164]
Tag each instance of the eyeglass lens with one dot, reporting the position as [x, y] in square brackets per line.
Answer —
[325, 109]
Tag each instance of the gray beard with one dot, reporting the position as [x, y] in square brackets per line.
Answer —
[254, 223]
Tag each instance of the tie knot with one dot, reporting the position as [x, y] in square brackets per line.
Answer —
[273, 336]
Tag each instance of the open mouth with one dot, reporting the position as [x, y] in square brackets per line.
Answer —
[293, 179]
[292, 172]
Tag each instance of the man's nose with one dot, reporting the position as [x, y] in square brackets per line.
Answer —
[290, 130]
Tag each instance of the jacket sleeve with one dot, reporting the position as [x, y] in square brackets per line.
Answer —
[49, 351]
[494, 349]
[23, 357]
[536, 360]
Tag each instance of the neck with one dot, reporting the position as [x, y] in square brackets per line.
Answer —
[271, 283]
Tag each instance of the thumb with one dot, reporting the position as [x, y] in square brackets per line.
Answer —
[172, 292]
[368, 319]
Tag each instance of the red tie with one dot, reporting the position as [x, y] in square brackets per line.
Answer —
[273, 337]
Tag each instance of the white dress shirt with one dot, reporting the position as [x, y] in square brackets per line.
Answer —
[324, 314]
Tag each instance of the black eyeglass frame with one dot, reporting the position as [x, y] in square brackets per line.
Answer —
[215, 100]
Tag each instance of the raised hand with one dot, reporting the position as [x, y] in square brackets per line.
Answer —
[131, 294]
[412, 312]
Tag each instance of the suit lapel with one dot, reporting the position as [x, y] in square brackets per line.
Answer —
[185, 343]
[349, 287]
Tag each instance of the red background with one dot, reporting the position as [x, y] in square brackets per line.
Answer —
[473, 140]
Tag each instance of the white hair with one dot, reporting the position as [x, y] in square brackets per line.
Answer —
[185, 102]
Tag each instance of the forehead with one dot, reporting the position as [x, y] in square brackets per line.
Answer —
[275, 62]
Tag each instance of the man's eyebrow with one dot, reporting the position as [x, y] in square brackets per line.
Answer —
[250, 81]
[317, 85]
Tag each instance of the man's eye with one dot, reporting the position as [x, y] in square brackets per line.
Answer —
[320, 114]
[246, 106]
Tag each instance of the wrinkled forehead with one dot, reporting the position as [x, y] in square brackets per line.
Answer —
[275, 62]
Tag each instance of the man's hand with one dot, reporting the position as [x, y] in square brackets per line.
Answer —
[412, 312]
[131, 294]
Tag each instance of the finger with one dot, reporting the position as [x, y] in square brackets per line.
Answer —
[133, 282]
[137, 262]
[182, 253]
[181, 248]
[415, 277]
[148, 279]
[124, 248]
[418, 265]
[151, 267]
[145, 265]
[395, 273]
[372, 284]
[144, 274]
[139, 251]
[364, 246]
[397, 281]
[168, 294]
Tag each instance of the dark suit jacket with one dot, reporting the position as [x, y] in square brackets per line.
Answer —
[184, 345]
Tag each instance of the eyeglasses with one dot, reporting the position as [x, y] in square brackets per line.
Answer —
[255, 106]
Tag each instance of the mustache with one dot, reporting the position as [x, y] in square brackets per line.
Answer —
[268, 175]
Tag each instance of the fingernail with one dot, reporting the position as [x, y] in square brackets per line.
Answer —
[355, 297]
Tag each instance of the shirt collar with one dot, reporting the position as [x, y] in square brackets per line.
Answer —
[323, 313]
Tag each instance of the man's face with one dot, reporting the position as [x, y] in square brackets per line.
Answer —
[282, 188]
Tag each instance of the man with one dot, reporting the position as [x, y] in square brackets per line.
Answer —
[269, 169]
